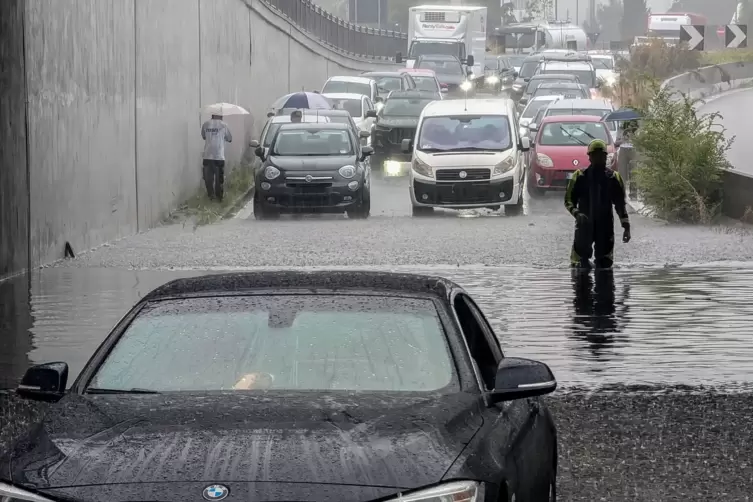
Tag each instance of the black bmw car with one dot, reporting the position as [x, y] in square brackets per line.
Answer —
[313, 168]
[292, 386]
[395, 121]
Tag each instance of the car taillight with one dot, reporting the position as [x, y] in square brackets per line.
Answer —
[444, 86]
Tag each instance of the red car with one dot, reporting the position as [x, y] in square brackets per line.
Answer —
[426, 80]
[560, 148]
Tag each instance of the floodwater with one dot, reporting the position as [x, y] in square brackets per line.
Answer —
[671, 326]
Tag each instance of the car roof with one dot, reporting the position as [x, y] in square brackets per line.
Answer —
[582, 103]
[553, 76]
[556, 65]
[560, 85]
[285, 119]
[482, 106]
[569, 118]
[419, 72]
[318, 126]
[349, 78]
[547, 97]
[239, 283]
[343, 95]
[412, 94]
[534, 57]
[439, 57]
[325, 113]
[383, 73]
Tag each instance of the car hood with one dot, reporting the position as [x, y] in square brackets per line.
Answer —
[450, 79]
[398, 122]
[463, 159]
[323, 163]
[361, 439]
[563, 156]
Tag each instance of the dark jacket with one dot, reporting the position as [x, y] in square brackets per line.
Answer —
[602, 186]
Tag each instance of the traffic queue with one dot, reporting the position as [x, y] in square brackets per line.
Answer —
[463, 141]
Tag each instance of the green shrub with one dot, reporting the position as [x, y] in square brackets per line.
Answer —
[682, 157]
[726, 56]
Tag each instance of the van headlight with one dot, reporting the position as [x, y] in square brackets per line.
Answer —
[422, 168]
[271, 172]
[347, 172]
[505, 166]
[13, 494]
[492, 79]
[457, 491]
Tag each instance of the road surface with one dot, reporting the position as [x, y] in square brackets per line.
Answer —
[736, 108]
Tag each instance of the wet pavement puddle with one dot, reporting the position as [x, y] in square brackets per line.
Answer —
[669, 326]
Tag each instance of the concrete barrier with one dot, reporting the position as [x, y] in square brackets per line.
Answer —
[707, 82]
[114, 91]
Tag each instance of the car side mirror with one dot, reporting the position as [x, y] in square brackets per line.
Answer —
[365, 152]
[533, 127]
[364, 134]
[254, 143]
[525, 144]
[399, 58]
[469, 61]
[406, 145]
[519, 378]
[260, 152]
[371, 114]
[44, 382]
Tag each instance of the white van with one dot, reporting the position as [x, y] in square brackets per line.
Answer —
[467, 154]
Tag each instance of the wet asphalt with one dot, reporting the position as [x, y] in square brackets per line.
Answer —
[685, 322]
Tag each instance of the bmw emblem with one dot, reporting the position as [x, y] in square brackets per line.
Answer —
[216, 492]
[463, 175]
[309, 178]
[575, 162]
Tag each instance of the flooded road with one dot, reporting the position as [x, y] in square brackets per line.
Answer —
[685, 325]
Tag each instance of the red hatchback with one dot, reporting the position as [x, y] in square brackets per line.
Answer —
[560, 148]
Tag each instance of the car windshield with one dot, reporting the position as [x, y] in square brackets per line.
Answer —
[528, 69]
[534, 83]
[602, 63]
[573, 133]
[491, 64]
[282, 343]
[442, 67]
[434, 48]
[516, 60]
[404, 107]
[352, 106]
[311, 142]
[594, 112]
[426, 83]
[334, 87]
[585, 77]
[567, 93]
[465, 132]
[533, 107]
[387, 84]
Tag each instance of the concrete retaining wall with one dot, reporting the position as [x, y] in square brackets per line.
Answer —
[115, 91]
[709, 81]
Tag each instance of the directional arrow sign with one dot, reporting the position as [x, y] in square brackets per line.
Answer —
[736, 36]
[693, 36]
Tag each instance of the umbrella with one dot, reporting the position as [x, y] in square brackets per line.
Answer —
[226, 109]
[303, 100]
[622, 115]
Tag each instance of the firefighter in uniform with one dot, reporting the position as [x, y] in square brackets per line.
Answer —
[590, 195]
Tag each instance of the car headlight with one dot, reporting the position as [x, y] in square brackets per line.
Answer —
[13, 494]
[466, 86]
[271, 172]
[504, 166]
[347, 172]
[423, 168]
[544, 160]
[493, 79]
[458, 491]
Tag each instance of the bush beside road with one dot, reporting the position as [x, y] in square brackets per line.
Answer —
[613, 446]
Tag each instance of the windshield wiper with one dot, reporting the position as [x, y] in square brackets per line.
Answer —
[573, 137]
[432, 150]
[94, 390]
[475, 149]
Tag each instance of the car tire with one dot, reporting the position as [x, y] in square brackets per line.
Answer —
[262, 211]
[362, 209]
[515, 209]
[418, 211]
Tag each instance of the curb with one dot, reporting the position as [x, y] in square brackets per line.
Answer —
[238, 204]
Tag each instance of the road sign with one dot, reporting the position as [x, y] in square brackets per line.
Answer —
[736, 36]
[692, 34]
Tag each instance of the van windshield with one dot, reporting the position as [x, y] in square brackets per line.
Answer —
[465, 133]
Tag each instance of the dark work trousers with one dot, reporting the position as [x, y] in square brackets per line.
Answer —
[595, 237]
[214, 178]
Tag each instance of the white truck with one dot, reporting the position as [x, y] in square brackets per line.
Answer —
[458, 31]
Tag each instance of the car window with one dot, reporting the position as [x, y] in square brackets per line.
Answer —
[573, 133]
[335, 87]
[404, 107]
[296, 342]
[442, 67]
[533, 107]
[352, 106]
[528, 68]
[386, 84]
[535, 83]
[312, 142]
[586, 77]
[476, 340]
[426, 84]
[566, 93]
[463, 133]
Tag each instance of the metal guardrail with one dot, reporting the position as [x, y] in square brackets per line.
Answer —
[341, 35]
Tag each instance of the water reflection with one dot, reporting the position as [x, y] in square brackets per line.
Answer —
[598, 315]
[675, 326]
